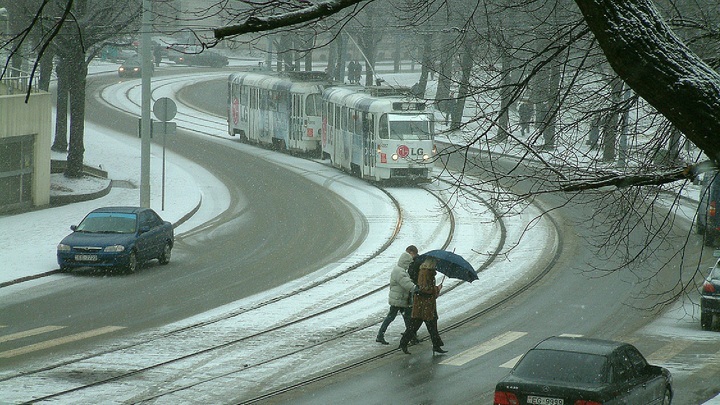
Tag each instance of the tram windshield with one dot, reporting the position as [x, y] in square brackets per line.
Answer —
[313, 104]
[410, 127]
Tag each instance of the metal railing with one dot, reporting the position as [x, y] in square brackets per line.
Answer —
[15, 81]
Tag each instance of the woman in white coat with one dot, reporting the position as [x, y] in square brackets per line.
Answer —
[401, 291]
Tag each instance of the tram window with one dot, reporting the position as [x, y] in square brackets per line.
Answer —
[344, 118]
[354, 122]
[410, 129]
[366, 124]
[253, 99]
[313, 104]
[244, 96]
[272, 100]
[383, 127]
[330, 113]
[337, 117]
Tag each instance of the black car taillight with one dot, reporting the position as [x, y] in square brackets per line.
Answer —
[708, 288]
[505, 398]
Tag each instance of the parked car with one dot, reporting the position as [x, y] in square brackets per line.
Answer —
[572, 371]
[132, 67]
[710, 297]
[196, 56]
[707, 221]
[121, 237]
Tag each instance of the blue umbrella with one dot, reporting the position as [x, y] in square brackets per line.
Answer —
[452, 265]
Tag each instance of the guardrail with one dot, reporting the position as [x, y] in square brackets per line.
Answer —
[15, 81]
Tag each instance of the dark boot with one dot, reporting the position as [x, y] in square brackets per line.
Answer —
[381, 339]
[438, 349]
[404, 344]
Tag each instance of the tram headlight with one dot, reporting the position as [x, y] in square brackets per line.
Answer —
[426, 156]
[379, 150]
[395, 156]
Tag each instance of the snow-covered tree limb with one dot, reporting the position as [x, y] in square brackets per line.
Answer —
[658, 66]
[267, 23]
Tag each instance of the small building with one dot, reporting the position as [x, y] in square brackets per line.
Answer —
[25, 140]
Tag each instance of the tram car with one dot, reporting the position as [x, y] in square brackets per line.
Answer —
[277, 110]
[378, 133]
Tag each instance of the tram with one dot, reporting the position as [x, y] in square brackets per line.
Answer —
[281, 110]
[377, 133]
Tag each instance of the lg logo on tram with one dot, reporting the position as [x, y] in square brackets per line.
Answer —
[403, 151]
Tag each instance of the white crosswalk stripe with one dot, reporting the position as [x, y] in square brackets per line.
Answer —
[483, 348]
[58, 341]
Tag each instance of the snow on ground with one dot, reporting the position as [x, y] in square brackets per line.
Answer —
[30, 248]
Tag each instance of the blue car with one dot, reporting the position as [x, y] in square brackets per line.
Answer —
[117, 237]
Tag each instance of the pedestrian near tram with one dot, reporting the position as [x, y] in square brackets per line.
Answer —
[401, 292]
[424, 309]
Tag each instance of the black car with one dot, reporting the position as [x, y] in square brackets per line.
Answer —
[710, 298]
[707, 221]
[132, 67]
[196, 56]
[573, 371]
[122, 237]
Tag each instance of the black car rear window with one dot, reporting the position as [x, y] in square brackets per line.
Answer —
[559, 366]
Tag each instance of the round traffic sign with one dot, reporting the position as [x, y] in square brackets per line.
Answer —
[164, 109]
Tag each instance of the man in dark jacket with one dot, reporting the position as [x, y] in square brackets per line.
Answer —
[401, 291]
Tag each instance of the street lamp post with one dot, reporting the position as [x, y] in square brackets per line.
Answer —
[145, 107]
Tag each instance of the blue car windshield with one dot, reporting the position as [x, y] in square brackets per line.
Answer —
[108, 222]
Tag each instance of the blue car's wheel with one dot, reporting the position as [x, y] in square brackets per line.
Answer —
[132, 264]
[165, 256]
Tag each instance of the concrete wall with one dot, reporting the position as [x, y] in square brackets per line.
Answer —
[18, 118]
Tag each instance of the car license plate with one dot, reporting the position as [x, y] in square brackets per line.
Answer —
[544, 401]
[85, 258]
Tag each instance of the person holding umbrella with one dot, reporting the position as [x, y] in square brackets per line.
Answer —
[424, 307]
[400, 295]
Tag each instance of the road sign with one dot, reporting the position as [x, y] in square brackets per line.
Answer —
[162, 128]
[164, 109]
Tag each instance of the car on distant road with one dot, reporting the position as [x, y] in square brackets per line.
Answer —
[132, 67]
[117, 237]
[197, 56]
[582, 371]
[710, 297]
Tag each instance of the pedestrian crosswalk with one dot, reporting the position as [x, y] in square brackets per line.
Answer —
[48, 343]
[483, 348]
[664, 351]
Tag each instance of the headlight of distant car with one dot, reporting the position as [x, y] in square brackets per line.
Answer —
[114, 249]
[63, 248]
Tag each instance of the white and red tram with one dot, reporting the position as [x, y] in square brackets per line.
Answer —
[377, 133]
[277, 110]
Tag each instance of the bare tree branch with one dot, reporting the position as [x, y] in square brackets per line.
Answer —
[254, 24]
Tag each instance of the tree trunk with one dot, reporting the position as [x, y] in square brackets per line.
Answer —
[426, 66]
[60, 144]
[612, 121]
[46, 68]
[505, 96]
[466, 64]
[76, 148]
